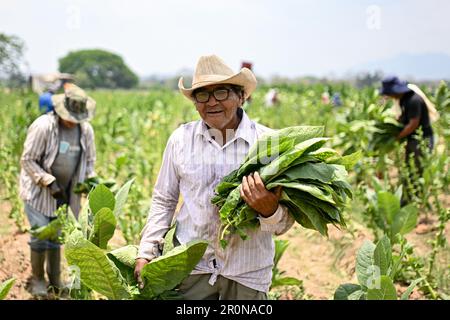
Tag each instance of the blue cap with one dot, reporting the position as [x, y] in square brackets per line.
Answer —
[393, 85]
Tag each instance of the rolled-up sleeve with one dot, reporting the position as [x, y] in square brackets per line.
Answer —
[34, 147]
[164, 202]
[278, 223]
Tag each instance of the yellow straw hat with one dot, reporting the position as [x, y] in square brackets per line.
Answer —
[212, 70]
[74, 105]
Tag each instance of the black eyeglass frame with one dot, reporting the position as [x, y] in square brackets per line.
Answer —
[227, 89]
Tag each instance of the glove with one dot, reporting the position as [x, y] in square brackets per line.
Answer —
[56, 191]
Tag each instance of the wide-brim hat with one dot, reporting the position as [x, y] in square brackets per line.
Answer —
[211, 70]
[74, 105]
[393, 85]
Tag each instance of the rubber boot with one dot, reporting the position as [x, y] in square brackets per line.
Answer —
[54, 268]
[38, 286]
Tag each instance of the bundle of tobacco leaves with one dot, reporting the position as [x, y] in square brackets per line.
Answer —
[313, 180]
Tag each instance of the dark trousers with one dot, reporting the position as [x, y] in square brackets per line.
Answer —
[413, 151]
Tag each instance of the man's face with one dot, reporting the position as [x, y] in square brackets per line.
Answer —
[219, 114]
[67, 124]
[394, 96]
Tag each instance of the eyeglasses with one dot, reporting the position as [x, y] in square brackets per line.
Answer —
[220, 94]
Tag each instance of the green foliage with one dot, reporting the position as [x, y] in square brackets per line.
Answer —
[389, 216]
[98, 69]
[384, 135]
[112, 273]
[5, 287]
[314, 181]
[376, 269]
[103, 228]
[386, 291]
[59, 228]
[349, 291]
[96, 270]
[90, 183]
[167, 271]
[101, 197]
[121, 198]
[278, 279]
[11, 57]
[132, 128]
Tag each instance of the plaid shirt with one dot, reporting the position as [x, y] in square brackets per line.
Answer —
[40, 150]
[193, 164]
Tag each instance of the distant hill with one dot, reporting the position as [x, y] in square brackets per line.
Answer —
[432, 66]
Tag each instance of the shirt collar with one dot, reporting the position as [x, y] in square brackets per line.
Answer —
[245, 130]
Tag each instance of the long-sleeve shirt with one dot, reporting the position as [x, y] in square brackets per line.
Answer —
[193, 164]
[40, 150]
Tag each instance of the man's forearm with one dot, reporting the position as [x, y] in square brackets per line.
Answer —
[37, 173]
[409, 128]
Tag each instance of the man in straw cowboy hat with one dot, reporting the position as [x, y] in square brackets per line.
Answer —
[198, 154]
[414, 110]
[59, 151]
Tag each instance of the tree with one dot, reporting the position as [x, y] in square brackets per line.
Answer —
[11, 59]
[98, 69]
[368, 79]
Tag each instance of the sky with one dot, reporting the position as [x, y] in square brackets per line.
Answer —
[284, 37]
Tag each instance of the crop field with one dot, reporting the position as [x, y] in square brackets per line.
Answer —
[408, 245]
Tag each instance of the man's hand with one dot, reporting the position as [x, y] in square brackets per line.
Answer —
[140, 263]
[56, 191]
[258, 197]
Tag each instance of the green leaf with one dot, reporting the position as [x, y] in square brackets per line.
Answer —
[96, 271]
[282, 163]
[295, 135]
[48, 232]
[313, 215]
[386, 290]
[378, 187]
[347, 291]
[83, 219]
[104, 227]
[349, 161]
[305, 187]
[383, 255]
[101, 197]
[323, 154]
[124, 259]
[168, 239]
[166, 272]
[399, 192]
[388, 204]
[285, 281]
[405, 221]
[121, 197]
[127, 255]
[365, 263]
[280, 248]
[409, 290]
[311, 171]
[5, 287]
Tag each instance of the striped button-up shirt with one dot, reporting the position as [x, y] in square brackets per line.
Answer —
[193, 164]
[40, 150]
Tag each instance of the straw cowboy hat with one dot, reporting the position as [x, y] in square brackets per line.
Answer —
[213, 70]
[74, 105]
